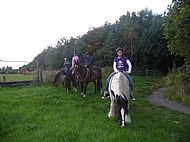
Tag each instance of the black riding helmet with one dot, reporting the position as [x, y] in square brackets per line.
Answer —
[74, 52]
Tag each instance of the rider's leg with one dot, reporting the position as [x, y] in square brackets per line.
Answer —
[130, 85]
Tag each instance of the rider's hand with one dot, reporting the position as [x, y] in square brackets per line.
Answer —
[128, 72]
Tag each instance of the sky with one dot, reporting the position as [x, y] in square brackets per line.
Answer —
[27, 27]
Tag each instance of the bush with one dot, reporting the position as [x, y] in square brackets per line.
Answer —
[179, 86]
[106, 71]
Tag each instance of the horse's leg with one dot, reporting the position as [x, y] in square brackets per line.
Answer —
[98, 84]
[81, 88]
[74, 85]
[95, 87]
[127, 115]
[85, 87]
[120, 115]
[122, 119]
[112, 108]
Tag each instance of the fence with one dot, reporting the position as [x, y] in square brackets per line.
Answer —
[147, 72]
[16, 83]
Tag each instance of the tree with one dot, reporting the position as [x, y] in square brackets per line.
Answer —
[177, 29]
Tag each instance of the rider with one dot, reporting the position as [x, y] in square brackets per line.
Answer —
[66, 65]
[75, 59]
[88, 60]
[119, 65]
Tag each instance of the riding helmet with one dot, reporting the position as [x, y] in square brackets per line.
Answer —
[74, 52]
[119, 49]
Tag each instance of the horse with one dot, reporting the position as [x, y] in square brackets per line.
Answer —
[68, 79]
[84, 76]
[120, 96]
[98, 70]
[58, 77]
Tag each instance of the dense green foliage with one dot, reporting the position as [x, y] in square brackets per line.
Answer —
[177, 33]
[177, 28]
[44, 113]
[140, 34]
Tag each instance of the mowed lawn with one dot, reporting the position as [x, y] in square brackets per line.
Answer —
[47, 114]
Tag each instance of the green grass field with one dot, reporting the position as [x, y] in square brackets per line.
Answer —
[47, 114]
[15, 77]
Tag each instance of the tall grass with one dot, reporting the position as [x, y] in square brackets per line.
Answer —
[178, 87]
[48, 114]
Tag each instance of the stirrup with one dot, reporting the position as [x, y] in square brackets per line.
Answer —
[106, 95]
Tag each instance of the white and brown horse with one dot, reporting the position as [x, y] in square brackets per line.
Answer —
[120, 96]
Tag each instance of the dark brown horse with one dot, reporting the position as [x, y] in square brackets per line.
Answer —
[69, 80]
[84, 76]
[59, 76]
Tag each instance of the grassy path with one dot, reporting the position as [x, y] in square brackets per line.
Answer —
[48, 114]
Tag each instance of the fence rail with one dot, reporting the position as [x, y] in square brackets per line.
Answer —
[16, 83]
[146, 72]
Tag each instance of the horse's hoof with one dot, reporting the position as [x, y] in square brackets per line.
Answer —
[122, 126]
[84, 96]
[109, 115]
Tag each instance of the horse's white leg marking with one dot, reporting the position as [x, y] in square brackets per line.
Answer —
[67, 90]
[81, 94]
[101, 91]
[75, 90]
[122, 117]
[112, 109]
[84, 95]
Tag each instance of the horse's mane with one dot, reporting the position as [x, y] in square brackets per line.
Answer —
[120, 85]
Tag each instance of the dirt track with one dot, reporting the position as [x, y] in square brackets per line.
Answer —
[158, 99]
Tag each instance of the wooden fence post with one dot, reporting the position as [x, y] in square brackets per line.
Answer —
[147, 72]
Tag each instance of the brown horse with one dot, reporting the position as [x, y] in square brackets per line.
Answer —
[84, 76]
[68, 79]
[58, 77]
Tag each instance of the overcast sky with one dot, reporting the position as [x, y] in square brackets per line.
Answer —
[29, 26]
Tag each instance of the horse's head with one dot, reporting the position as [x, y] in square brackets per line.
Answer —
[121, 109]
[77, 68]
[54, 83]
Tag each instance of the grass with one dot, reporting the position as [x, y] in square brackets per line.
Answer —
[175, 93]
[15, 77]
[47, 114]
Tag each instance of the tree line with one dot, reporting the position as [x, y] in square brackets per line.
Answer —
[141, 34]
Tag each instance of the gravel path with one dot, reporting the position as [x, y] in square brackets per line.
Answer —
[158, 99]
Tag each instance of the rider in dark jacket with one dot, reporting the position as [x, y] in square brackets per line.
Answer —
[88, 60]
[66, 65]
